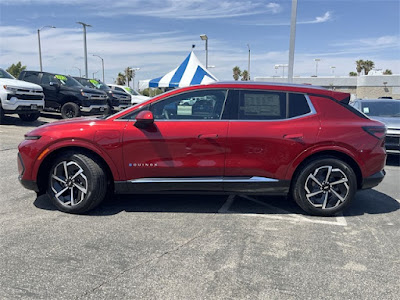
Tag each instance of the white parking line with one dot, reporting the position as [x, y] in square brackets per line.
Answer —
[224, 208]
[284, 214]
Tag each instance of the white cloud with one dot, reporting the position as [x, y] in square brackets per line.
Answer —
[169, 9]
[319, 19]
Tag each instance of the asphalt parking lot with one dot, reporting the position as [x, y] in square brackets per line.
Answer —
[194, 247]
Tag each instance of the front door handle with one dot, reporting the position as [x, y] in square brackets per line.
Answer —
[209, 136]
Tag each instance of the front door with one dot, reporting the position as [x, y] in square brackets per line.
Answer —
[185, 147]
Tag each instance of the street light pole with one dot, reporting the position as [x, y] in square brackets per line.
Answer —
[40, 48]
[102, 63]
[292, 40]
[80, 74]
[84, 25]
[248, 62]
[204, 37]
[133, 75]
[316, 66]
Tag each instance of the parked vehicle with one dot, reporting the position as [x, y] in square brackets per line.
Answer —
[386, 111]
[231, 138]
[19, 97]
[136, 98]
[66, 95]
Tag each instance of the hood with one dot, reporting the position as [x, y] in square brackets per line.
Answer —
[20, 84]
[139, 99]
[390, 122]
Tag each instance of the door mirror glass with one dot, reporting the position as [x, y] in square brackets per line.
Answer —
[55, 84]
[144, 118]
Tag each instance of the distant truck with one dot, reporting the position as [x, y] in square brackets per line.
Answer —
[136, 98]
[66, 95]
[19, 97]
[116, 100]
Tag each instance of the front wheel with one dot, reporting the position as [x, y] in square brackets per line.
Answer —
[325, 186]
[76, 183]
[70, 110]
[29, 117]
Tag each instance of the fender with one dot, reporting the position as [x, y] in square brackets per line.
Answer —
[74, 142]
[321, 148]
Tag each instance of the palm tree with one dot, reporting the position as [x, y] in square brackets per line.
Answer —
[368, 66]
[128, 75]
[360, 66]
[387, 72]
[245, 75]
[120, 79]
[236, 73]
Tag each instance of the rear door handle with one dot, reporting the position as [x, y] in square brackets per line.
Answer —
[210, 136]
[297, 137]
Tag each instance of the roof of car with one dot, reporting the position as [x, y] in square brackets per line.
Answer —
[377, 100]
[262, 83]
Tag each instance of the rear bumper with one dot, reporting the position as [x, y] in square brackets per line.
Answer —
[373, 180]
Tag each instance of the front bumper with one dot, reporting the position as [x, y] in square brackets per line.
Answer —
[373, 180]
[94, 109]
[14, 106]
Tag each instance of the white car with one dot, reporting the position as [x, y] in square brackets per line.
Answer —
[136, 98]
[20, 97]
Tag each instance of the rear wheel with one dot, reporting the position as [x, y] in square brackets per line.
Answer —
[70, 110]
[325, 186]
[29, 117]
[76, 183]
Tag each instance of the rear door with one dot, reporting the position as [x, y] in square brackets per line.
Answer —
[268, 131]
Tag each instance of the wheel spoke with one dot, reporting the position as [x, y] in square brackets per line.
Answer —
[72, 196]
[337, 195]
[343, 180]
[65, 169]
[58, 178]
[313, 194]
[315, 179]
[61, 192]
[81, 188]
[77, 173]
[328, 173]
[325, 201]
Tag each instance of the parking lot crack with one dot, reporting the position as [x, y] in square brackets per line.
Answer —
[146, 261]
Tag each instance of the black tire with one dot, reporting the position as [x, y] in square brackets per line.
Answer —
[70, 110]
[108, 111]
[29, 117]
[326, 195]
[2, 117]
[85, 180]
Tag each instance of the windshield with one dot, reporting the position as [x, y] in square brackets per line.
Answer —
[67, 80]
[381, 108]
[4, 74]
[99, 85]
[131, 91]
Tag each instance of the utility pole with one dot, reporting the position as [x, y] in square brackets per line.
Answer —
[84, 45]
[248, 62]
[292, 40]
[102, 63]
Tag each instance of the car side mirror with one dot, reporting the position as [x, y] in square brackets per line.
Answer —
[144, 119]
[55, 84]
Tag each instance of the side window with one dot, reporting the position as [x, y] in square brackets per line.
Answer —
[262, 105]
[32, 77]
[132, 115]
[119, 89]
[196, 105]
[47, 78]
[298, 105]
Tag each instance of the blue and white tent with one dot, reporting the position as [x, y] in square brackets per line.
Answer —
[190, 72]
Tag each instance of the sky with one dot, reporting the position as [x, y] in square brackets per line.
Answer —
[156, 36]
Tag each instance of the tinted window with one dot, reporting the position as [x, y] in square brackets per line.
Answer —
[32, 77]
[47, 78]
[119, 89]
[298, 105]
[381, 108]
[196, 105]
[262, 105]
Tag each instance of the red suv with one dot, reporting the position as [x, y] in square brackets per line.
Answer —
[231, 138]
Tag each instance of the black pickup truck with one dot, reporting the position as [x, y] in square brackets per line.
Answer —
[66, 95]
[117, 101]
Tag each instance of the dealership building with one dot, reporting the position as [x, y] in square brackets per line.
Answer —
[369, 86]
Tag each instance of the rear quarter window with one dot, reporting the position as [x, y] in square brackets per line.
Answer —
[298, 105]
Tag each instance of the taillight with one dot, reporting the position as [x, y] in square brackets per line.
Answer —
[377, 131]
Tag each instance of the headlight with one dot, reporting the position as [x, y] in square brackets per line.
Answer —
[10, 88]
[86, 94]
[32, 137]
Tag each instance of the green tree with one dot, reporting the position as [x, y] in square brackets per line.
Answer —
[359, 66]
[368, 66]
[352, 74]
[16, 69]
[120, 79]
[149, 92]
[128, 75]
[245, 75]
[387, 72]
[236, 73]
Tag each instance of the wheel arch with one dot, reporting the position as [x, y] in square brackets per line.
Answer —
[47, 162]
[335, 154]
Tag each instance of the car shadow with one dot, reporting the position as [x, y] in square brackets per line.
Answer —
[393, 159]
[16, 121]
[365, 202]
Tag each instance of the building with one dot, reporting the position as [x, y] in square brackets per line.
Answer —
[364, 86]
